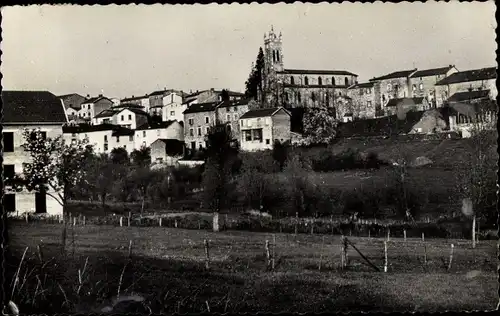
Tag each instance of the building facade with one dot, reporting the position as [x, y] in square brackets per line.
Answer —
[28, 110]
[363, 100]
[262, 127]
[423, 82]
[146, 134]
[93, 106]
[198, 118]
[103, 138]
[229, 113]
[299, 87]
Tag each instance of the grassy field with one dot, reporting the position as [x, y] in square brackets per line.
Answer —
[167, 268]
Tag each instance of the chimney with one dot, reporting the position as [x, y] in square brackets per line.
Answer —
[132, 95]
[88, 96]
[100, 95]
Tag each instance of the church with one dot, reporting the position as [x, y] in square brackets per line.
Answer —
[301, 87]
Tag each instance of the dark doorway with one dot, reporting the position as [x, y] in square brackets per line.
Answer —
[9, 202]
[40, 202]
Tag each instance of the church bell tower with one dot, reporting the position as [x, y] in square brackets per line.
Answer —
[273, 63]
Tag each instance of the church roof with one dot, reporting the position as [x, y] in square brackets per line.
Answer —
[316, 72]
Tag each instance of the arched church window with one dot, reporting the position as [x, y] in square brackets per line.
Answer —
[292, 81]
[274, 56]
[277, 55]
[320, 81]
[333, 81]
[306, 81]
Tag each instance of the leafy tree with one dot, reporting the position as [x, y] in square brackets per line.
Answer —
[254, 83]
[280, 153]
[119, 155]
[221, 152]
[141, 179]
[53, 164]
[320, 126]
[141, 157]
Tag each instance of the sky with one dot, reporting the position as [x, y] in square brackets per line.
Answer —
[126, 50]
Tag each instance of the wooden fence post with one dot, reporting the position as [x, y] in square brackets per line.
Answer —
[312, 227]
[296, 223]
[425, 254]
[199, 225]
[84, 220]
[451, 257]
[268, 255]
[175, 223]
[130, 249]
[74, 221]
[26, 216]
[121, 221]
[404, 233]
[274, 252]
[160, 221]
[331, 222]
[321, 252]
[388, 234]
[129, 218]
[207, 255]
[385, 256]
[423, 237]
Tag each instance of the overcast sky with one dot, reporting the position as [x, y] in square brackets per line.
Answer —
[135, 49]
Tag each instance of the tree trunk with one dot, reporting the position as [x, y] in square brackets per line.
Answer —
[474, 231]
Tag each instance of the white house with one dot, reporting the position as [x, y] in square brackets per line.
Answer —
[146, 134]
[260, 128]
[126, 117]
[104, 137]
[93, 106]
[33, 110]
[173, 107]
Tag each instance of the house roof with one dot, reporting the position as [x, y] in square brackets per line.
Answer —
[396, 74]
[471, 109]
[106, 113]
[362, 85]
[226, 104]
[405, 101]
[432, 72]
[135, 110]
[32, 107]
[316, 72]
[163, 124]
[230, 93]
[201, 107]
[127, 105]
[96, 99]
[469, 95]
[469, 75]
[262, 112]
[87, 128]
[134, 98]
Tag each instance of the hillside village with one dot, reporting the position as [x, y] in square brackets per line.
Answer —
[173, 124]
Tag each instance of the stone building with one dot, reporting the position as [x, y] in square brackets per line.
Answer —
[142, 101]
[467, 81]
[423, 82]
[198, 118]
[93, 106]
[363, 100]
[104, 137]
[32, 110]
[229, 113]
[260, 128]
[391, 86]
[146, 134]
[73, 104]
[298, 87]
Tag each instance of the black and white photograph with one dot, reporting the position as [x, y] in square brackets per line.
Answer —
[249, 158]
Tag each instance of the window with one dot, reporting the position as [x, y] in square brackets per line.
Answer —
[158, 132]
[414, 87]
[333, 81]
[299, 97]
[235, 109]
[228, 117]
[193, 145]
[191, 121]
[278, 56]
[320, 82]
[131, 138]
[199, 131]
[117, 139]
[8, 142]
[207, 120]
[8, 171]
[200, 146]
[235, 116]
[105, 146]
[368, 90]
[306, 81]
[292, 81]
[191, 132]
[206, 130]
[369, 104]
[267, 120]
[172, 113]
[248, 135]
[130, 117]
[257, 135]
[421, 86]
[125, 147]
[346, 81]
[122, 117]
[274, 56]
[143, 133]
[105, 138]
[267, 141]
[241, 123]
[9, 202]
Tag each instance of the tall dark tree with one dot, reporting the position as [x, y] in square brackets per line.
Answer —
[254, 83]
[119, 156]
[280, 153]
[141, 157]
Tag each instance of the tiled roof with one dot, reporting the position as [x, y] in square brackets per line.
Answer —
[127, 105]
[134, 98]
[316, 72]
[469, 75]
[432, 72]
[362, 85]
[405, 101]
[163, 124]
[466, 96]
[95, 99]
[135, 110]
[261, 112]
[32, 107]
[106, 113]
[165, 92]
[201, 107]
[396, 74]
[226, 104]
[87, 128]
[230, 93]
